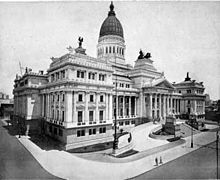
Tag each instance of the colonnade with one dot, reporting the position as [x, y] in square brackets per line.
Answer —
[71, 105]
[126, 106]
[160, 105]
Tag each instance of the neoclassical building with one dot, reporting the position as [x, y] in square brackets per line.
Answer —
[79, 98]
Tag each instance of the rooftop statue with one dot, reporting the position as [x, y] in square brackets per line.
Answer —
[141, 55]
[80, 41]
[187, 77]
[70, 49]
[147, 56]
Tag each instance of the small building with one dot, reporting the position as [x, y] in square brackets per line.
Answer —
[6, 105]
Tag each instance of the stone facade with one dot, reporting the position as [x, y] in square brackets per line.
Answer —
[79, 98]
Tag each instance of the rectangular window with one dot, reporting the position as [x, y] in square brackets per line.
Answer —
[55, 131]
[52, 78]
[60, 132]
[80, 116]
[53, 114]
[121, 123]
[63, 99]
[81, 133]
[80, 98]
[101, 77]
[101, 98]
[64, 74]
[102, 130]
[57, 114]
[78, 133]
[90, 116]
[90, 131]
[121, 100]
[82, 74]
[50, 129]
[91, 75]
[58, 98]
[100, 115]
[78, 74]
[91, 98]
[127, 122]
[63, 116]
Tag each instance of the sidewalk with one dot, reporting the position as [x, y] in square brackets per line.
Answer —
[68, 166]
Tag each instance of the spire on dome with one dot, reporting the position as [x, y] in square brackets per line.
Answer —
[111, 12]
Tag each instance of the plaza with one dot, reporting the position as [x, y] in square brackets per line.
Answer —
[58, 162]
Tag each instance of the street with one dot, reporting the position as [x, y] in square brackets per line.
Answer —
[199, 164]
[16, 161]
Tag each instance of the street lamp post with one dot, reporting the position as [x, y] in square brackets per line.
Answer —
[191, 119]
[217, 139]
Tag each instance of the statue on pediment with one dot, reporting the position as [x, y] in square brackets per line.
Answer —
[147, 56]
[80, 41]
[141, 55]
[70, 49]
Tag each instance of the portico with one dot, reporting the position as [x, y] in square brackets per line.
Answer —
[161, 99]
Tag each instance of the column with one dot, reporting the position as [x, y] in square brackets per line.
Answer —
[60, 98]
[155, 108]
[164, 106]
[96, 108]
[203, 107]
[135, 104]
[86, 111]
[195, 106]
[171, 104]
[123, 106]
[74, 106]
[68, 106]
[168, 109]
[160, 113]
[106, 107]
[129, 106]
[48, 108]
[174, 109]
[43, 105]
[150, 106]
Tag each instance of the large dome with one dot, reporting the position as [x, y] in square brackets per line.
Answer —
[111, 25]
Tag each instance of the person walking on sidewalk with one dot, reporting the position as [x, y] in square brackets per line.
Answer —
[161, 162]
[156, 161]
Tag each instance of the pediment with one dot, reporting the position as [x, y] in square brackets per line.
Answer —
[164, 84]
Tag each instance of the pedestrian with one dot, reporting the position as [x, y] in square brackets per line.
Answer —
[161, 162]
[156, 161]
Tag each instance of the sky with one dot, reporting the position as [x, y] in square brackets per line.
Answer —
[181, 36]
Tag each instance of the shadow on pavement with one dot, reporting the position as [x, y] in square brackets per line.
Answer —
[45, 142]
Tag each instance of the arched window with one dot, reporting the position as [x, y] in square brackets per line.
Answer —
[113, 49]
[110, 49]
[122, 51]
[106, 50]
